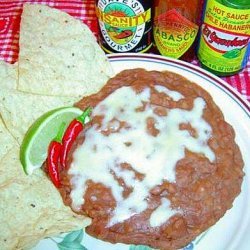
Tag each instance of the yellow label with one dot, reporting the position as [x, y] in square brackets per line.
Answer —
[125, 21]
[174, 34]
[225, 36]
[125, 26]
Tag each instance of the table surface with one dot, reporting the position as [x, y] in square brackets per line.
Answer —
[10, 13]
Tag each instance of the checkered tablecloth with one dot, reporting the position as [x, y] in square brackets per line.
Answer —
[10, 12]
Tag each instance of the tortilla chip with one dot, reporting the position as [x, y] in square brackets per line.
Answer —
[8, 75]
[30, 208]
[21, 223]
[6, 140]
[19, 110]
[59, 55]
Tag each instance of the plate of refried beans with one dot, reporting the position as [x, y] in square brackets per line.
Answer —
[163, 162]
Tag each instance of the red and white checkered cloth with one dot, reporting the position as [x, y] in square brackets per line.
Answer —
[10, 12]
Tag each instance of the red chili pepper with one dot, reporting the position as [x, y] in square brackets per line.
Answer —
[54, 151]
[71, 133]
[124, 34]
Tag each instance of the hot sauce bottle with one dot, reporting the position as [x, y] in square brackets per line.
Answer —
[124, 25]
[224, 45]
[176, 24]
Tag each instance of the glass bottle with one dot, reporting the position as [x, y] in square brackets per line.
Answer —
[176, 24]
[224, 44]
[124, 25]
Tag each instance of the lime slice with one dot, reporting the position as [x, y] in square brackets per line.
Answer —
[33, 151]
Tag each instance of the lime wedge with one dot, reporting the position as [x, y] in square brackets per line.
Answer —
[33, 151]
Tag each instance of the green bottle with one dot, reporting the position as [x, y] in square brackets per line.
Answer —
[224, 43]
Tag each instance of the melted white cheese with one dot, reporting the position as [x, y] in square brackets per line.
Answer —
[153, 156]
[162, 213]
[176, 96]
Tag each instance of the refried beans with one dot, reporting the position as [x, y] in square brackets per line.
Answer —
[179, 180]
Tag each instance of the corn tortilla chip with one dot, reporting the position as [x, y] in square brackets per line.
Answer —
[59, 55]
[8, 75]
[19, 110]
[31, 208]
[6, 140]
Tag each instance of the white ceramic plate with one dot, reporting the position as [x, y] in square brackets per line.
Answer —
[229, 233]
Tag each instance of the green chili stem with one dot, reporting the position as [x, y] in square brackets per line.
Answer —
[85, 114]
[60, 133]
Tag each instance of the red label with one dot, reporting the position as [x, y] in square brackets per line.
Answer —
[173, 33]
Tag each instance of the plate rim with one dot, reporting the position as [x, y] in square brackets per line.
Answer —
[223, 87]
[222, 84]
[218, 82]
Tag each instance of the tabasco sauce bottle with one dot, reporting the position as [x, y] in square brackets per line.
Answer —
[176, 24]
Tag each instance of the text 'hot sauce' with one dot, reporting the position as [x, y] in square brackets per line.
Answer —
[225, 36]
[124, 25]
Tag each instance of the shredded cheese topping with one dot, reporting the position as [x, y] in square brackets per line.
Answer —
[155, 157]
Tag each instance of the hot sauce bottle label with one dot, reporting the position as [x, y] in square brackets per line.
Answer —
[173, 33]
[225, 36]
[125, 25]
